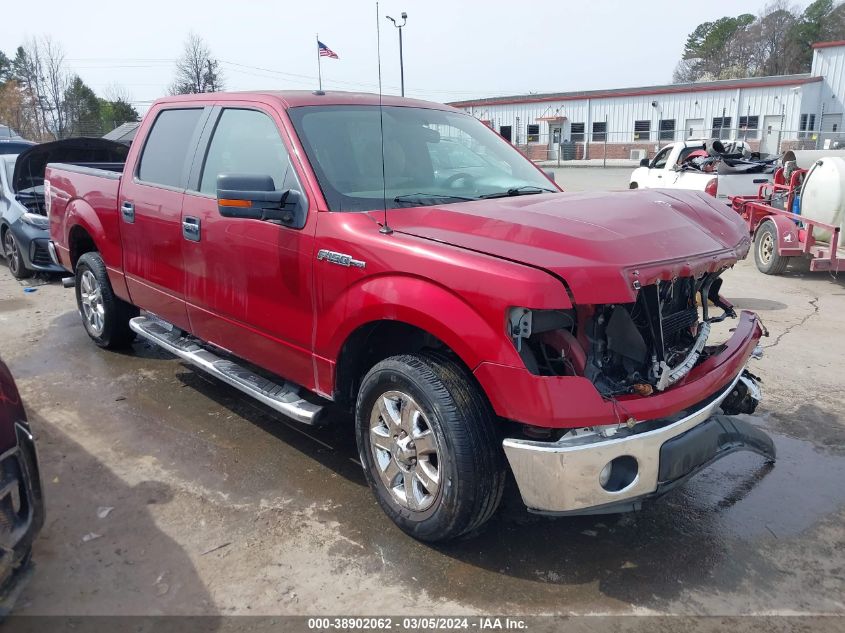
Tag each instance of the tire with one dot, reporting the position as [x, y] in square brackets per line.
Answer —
[766, 256]
[633, 185]
[104, 315]
[12, 251]
[449, 416]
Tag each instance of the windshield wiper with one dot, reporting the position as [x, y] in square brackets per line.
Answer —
[519, 191]
[419, 198]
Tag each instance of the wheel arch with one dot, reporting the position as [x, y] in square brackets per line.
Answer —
[374, 341]
[785, 230]
[79, 242]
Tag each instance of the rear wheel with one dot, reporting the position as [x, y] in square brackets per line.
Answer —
[766, 255]
[104, 315]
[633, 185]
[14, 258]
[427, 442]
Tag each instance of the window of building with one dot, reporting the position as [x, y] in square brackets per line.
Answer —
[748, 126]
[667, 130]
[721, 127]
[245, 142]
[642, 130]
[505, 131]
[533, 133]
[576, 132]
[808, 124]
[168, 143]
[599, 131]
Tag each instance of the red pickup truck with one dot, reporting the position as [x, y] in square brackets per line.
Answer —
[406, 262]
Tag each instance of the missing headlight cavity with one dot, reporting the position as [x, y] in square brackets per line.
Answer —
[545, 340]
[624, 348]
[650, 344]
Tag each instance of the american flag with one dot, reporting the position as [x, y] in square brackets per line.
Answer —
[325, 51]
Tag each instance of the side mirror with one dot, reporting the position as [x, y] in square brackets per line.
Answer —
[550, 174]
[645, 162]
[255, 197]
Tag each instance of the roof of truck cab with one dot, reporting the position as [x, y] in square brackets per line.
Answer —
[296, 98]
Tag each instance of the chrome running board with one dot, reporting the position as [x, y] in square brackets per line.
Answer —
[283, 398]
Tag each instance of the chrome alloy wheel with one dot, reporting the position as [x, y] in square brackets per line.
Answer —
[11, 246]
[91, 297]
[405, 450]
[766, 248]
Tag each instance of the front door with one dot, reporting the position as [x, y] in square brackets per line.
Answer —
[694, 129]
[771, 134]
[831, 130]
[248, 282]
[150, 207]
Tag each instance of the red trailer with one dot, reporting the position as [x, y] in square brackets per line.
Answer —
[779, 234]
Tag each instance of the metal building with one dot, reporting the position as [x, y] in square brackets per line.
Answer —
[771, 113]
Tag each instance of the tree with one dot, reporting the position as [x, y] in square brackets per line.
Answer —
[5, 68]
[117, 112]
[808, 29]
[196, 70]
[81, 109]
[777, 42]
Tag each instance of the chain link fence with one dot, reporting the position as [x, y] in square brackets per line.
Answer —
[629, 147]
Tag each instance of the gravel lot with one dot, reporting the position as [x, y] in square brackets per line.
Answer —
[222, 507]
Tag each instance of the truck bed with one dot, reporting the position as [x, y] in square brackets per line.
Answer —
[89, 191]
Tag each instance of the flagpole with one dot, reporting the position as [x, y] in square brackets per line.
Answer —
[319, 65]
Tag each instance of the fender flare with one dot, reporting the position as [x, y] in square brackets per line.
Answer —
[81, 214]
[422, 304]
[786, 232]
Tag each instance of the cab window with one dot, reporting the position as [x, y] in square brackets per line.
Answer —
[659, 161]
[246, 142]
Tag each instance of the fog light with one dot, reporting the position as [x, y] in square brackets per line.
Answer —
[619, 473]
[604, 475]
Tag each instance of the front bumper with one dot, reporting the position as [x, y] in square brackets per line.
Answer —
[34, 243]
[563, 477]
[21, 514]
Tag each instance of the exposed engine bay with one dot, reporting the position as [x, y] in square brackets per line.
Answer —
[625, 348]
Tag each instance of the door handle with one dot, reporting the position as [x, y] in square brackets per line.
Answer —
[191, 228]
[127, 210]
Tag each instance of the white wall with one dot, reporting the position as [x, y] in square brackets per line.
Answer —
[622, 111]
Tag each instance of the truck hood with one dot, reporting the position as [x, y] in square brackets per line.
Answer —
[603, 245]
[32, 163]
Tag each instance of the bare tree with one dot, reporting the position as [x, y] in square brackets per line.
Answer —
[55, 83]
[196, 70]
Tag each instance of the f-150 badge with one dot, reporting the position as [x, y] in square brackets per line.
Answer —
[341, 259]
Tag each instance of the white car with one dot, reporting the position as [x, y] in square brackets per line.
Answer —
[670, 169]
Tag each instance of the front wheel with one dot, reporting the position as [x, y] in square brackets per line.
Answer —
[14, 258]
[633, 185]
[104, 315]
[766, 256]
[427, 441]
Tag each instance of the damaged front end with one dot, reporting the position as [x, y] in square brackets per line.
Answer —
[641, 348]
[636, 355]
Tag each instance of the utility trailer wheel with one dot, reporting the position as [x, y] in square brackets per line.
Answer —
[766, 256]
[427, 441]
[104, 315]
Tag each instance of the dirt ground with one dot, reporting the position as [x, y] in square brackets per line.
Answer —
[219, 506]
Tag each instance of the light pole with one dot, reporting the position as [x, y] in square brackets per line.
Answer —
[401, 61]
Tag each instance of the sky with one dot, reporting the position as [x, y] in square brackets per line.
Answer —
[453, 50]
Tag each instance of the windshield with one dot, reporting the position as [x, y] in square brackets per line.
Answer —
[431, 157]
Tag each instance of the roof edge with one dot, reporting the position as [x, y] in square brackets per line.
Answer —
[830, 44]
[639, 92]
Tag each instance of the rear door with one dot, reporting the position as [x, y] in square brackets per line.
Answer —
[248, 282]
[150, 204]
